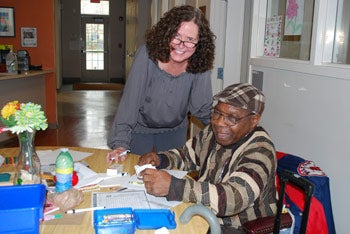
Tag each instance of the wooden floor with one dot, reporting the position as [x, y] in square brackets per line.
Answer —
[84, 119]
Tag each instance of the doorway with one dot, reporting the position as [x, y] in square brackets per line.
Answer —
[95, 52]
[122, 35]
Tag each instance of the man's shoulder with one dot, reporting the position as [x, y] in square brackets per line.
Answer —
[261, 132]
[260, 138]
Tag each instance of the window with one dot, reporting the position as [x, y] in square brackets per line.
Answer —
[288, 29]
[94, 46]
[89, 8]
[341, 48]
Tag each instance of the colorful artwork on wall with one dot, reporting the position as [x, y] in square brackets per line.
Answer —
[294, 17]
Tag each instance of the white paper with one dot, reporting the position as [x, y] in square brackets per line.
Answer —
[83, 171]
[156, 202]
[122, 181]
[2, 160]
[48, 157]
[89, 177]
[136, 199]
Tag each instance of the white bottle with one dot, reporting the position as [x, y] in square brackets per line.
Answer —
[11, 62]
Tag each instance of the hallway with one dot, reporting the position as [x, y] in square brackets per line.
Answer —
[84, 119]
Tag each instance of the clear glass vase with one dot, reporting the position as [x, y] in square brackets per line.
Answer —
[28, 163]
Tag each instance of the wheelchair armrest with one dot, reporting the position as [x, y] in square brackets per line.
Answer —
[266, 224]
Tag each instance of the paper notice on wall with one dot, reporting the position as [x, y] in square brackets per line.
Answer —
[272, 40]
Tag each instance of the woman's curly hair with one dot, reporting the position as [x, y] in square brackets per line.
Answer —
[159, 36]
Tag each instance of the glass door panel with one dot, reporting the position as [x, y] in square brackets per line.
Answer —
[94, 59]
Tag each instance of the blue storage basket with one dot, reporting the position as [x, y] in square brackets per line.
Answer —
[21, 208]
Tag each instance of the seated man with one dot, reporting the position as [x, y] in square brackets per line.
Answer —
[234, 156]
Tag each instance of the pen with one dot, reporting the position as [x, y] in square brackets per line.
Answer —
[122, 154]
[73, 211]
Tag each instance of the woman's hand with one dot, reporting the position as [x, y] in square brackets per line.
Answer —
[149, 158]
[114, 155]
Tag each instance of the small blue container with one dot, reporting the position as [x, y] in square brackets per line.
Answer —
[114, 220]
[21, 208]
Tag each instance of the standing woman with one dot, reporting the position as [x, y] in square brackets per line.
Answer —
[170, 77]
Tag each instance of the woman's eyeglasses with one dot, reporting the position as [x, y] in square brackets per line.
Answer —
[228, 119]
[187, 44]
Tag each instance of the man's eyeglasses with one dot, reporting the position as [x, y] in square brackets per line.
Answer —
[228, 119]
[187, 44]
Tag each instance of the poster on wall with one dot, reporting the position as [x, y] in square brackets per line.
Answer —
[294, 17]
[29, 37]
[7, 22]
[272, 40]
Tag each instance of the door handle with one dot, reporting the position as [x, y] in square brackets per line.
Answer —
[131, 55]
[84, 51]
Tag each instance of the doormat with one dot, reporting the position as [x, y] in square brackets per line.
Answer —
[98, 86]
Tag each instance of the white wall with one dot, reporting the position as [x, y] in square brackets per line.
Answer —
[308, 115]
[226, 20]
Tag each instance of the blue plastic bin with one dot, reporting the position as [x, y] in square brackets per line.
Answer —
[21, 208]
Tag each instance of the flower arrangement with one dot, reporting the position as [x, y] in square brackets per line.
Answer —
[20, 117]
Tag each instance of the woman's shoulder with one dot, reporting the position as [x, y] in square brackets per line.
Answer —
[141, 55]
[142, 50]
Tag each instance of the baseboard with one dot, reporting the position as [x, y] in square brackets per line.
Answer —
[97, 86]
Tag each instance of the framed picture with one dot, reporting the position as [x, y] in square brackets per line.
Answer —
[29, 37]
[7, 22]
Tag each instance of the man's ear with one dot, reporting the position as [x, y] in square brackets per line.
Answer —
[255, 120]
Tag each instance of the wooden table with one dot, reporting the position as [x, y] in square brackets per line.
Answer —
[96, 161]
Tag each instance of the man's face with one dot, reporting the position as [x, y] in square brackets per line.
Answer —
[226, 133]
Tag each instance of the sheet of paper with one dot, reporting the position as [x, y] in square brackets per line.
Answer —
[115, 181]
[134, 196]
[48, 157]
[136, 199]
[156, 202]
[83, 171]
[90, 177]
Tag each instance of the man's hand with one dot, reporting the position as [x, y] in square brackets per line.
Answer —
[149, 158]
[157, 182]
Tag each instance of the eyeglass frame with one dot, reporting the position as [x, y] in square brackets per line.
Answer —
[225, 117]
[183, 42]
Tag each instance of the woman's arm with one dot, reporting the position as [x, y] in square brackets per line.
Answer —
[128, 110]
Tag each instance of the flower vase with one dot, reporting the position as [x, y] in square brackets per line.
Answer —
[28, 163]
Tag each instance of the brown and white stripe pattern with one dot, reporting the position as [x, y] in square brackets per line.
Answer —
[237, 182]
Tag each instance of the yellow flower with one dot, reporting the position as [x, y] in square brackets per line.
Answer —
[9, 109]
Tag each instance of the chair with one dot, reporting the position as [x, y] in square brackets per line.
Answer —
[273, 224]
